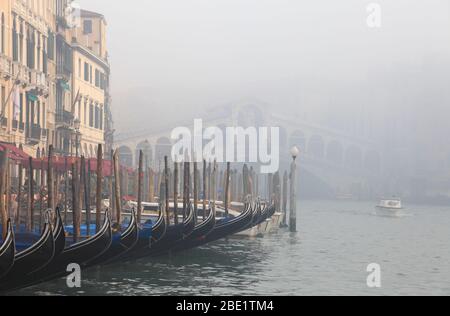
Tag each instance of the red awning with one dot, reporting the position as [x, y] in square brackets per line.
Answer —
[15, 153]
[59, 165]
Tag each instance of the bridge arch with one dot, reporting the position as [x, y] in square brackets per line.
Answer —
[163, 148]
[125, 156]
[316, 147]
[335, 152]
[298, 139]
[147, 151]
[354, 157]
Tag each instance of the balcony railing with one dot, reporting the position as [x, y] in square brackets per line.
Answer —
[64, 118]
[39, 80]
[5, 66]
[35, 134]
[20, 72]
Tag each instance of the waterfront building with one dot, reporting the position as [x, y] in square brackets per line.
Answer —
[54, 78]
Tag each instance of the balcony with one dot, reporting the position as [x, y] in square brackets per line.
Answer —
[35, 134]
[5, 67]
[20, 72]
[39, 81]
[64, 119]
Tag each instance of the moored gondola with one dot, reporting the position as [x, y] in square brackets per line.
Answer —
[121, 244]
[173, 235]
[224, 227]
[59, 233]
[7, 252]
[81, 253]
[201, 230]
[32, 259]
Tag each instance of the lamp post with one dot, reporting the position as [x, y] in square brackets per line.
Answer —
[77, 124]
[295, 152]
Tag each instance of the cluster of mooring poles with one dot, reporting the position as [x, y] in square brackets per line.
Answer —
[177, 207]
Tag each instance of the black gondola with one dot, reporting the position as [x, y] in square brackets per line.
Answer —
[173, 235]
[59, 233]
[224, 227]
[33, 259]
[200, 232]
[121, 244]
[81, 253]
[7, 252]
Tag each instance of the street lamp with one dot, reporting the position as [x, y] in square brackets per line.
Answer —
[76, 125]
[295, 152]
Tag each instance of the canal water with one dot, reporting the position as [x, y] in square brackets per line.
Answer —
[328, 256]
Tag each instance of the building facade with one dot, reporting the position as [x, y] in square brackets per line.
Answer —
[45, 98]
[90, 82]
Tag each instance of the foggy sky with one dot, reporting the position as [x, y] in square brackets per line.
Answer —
[192, 54]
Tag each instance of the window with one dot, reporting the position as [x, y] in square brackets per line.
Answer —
[85, 113]
[2, 40]
[101, 118]
[87, 26]
[97, 118]
[90, 74]
[86, 72]
[91, 115]
[21, 109]
[15, 40]
[97, 78]
[51, 45]
[3, 99]
[38, 116]
[79, 67]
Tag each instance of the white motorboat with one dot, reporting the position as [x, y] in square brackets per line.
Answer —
[390, 206]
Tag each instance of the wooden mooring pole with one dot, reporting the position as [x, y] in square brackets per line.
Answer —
[50, 179]
[19, 197]
[166, 188]
[3, 175]
[140, 180]
[285, 199]
[227, 189]
[175, 192]
[75, 203]
[204, 190]
[30, 221]
[98, 199]
[195, 190]
[118, 200]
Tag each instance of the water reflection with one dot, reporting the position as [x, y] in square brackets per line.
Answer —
[328, 256]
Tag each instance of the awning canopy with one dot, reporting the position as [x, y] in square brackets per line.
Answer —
[60, 165]
[15, 154]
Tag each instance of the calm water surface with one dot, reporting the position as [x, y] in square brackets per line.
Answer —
[329, 256]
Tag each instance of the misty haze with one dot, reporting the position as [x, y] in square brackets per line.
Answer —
[224, 148]
[315, 62]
